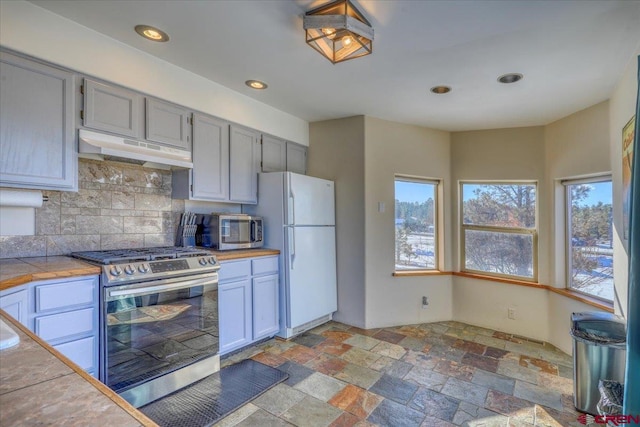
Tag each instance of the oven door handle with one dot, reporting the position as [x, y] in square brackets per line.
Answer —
[132, 291]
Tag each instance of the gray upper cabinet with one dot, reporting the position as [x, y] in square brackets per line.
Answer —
[209, 178]
[168, 124]
[111, 108]
[296, 158]
[244, 154]
[36, 125]
[274, 154]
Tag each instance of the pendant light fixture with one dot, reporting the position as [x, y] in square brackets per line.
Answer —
[339, 31]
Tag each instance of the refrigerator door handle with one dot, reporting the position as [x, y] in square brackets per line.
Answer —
[292, 207]
[292, 246]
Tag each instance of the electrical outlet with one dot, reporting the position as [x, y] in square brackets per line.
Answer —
[425, 302]
[511, 313]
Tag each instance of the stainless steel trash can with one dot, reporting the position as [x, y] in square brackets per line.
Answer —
[599, 353]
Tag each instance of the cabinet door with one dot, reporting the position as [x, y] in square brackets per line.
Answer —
[234, 313]
[168, 124]
[210, 158]
[265, 306]
[274, 154]
[15, 304]
[83, 352]
[296, 158]
[111, 108]
[36, 125]
[243, 165]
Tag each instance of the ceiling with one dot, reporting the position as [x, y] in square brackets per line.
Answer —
[571, 54]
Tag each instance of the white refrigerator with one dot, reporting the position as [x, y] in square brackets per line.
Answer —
[299, 220]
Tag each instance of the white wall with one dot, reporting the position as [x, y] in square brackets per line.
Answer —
[622, 106]
[336, 152]
[32, 30]
[394, 148]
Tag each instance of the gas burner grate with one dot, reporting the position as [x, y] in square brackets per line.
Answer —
[114, 256]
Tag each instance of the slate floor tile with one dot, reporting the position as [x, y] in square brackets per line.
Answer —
[390, 350]
[389, 336]
[362, 341]
[358, 375]
[392, 414]
[308, 339]
[395, 368]
[435, 422]
[269, 359]
[337, 335]
[327, 364]
[299, 354]
[412, 343]
[555, 382]
[512, 369]
[360, 357]
[345, 420]
[482, 362]
[394, 388]
[356, 401]
[511, 406]
[455, 369]
[261, 418]
[418, 358]
[312, 412]
[238, 415]
[365, 332]
[537, 394]
[466, 391]
[435, 404]
[279, 399]
[296, 371]
[493, 381]
[426, 378]
[469, 414]
[330, 346]
[320, 386]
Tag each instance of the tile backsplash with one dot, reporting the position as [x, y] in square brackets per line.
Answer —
[118, 205]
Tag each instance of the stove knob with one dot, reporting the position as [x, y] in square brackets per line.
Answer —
[202, 261]
[129, 269]
[212, 260]
[115, 270]
[143, 268]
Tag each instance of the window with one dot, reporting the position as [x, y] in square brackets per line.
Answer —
[498, 231]
[589, 237]
[416, 224]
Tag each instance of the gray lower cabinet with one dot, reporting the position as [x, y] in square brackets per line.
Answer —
[296, 158]
[64, 313]
[111, 108]
[209, 178]
[274, 154]
[168, 124]
[244, 160]
[247, 301]
[37, 125]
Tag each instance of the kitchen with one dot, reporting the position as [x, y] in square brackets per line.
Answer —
[453, 297]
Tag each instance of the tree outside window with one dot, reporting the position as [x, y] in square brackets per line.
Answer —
[415, 224]
[590, 236]
[498, 231]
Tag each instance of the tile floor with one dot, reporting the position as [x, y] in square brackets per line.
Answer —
[432, 374]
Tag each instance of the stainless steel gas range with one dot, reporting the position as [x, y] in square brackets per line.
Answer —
[158, 319]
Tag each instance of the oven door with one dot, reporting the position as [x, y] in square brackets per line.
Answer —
[157, 327]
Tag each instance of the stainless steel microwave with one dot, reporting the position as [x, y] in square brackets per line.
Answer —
[236, 231]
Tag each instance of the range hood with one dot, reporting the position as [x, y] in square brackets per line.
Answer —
[151, 155]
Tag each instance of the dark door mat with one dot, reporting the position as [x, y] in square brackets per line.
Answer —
[207, 401]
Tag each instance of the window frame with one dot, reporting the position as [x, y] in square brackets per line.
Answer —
[566, 183]
[533, 232]
[437, 183]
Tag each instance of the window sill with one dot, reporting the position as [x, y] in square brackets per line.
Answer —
[412, 273]
[595, 302]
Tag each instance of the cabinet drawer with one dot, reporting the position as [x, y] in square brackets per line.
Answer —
[81, 352]
[66, 324]
[262, 266]
[234, 270]
[68, 294]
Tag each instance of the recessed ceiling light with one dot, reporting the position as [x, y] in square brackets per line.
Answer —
[152, 33]
[510, 78]
[440, 89]
[256, 84]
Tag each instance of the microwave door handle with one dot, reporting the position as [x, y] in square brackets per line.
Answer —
[252, 231]
[292, 246]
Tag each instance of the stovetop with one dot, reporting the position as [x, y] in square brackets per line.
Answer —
[129, 266]
[115, 256]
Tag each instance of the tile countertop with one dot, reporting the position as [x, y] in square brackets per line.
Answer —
[39, 386]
